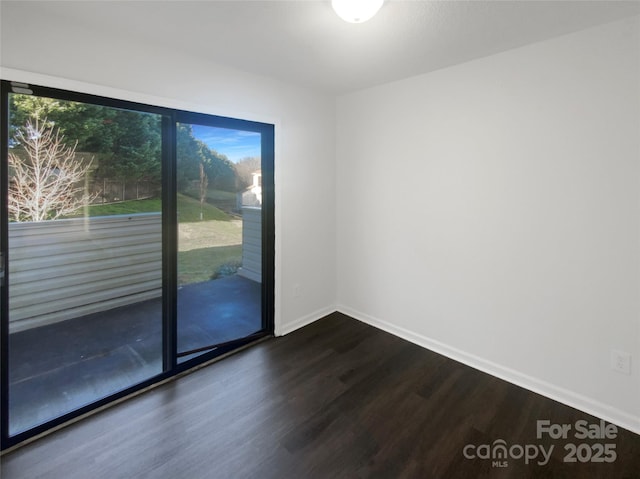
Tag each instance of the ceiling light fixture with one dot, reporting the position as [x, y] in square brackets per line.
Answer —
[356, 11]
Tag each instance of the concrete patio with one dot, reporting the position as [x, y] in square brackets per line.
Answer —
[60, 367]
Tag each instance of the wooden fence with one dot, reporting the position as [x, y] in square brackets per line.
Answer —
[112, 191]
[65, 269]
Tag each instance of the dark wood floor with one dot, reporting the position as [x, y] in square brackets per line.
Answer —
[335, 399]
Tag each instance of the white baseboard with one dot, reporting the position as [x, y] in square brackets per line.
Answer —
[552, 391]
[283, 329]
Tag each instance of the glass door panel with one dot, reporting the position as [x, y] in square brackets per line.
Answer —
[85, 255]
[219, 205]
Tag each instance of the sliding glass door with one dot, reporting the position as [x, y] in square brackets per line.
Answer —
[219, 203]
[84, 254]
[137, 241]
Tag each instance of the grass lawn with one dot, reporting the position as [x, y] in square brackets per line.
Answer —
[199, 265]
[188, 209]
[203, 234]
[212, 195]
[124, 208]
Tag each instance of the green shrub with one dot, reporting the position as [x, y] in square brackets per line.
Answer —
[227, 269]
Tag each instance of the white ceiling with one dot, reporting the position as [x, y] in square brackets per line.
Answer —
[303, 42]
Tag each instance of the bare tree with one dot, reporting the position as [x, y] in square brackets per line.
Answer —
[49, 182]
[204, 182]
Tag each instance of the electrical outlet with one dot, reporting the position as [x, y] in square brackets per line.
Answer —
[296, 290]
[621, 362]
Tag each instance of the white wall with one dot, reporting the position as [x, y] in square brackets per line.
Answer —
[489, 211]
[50, 51]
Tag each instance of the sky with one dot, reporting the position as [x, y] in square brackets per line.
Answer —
[234, 144]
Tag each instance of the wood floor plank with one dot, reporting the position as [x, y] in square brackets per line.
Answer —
[336, 399]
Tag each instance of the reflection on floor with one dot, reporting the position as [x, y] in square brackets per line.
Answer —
[57, 368]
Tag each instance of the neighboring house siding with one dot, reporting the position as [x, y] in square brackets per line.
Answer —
[251, 243]
[65, 269]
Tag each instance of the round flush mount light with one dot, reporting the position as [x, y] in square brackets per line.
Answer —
[356, 11]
